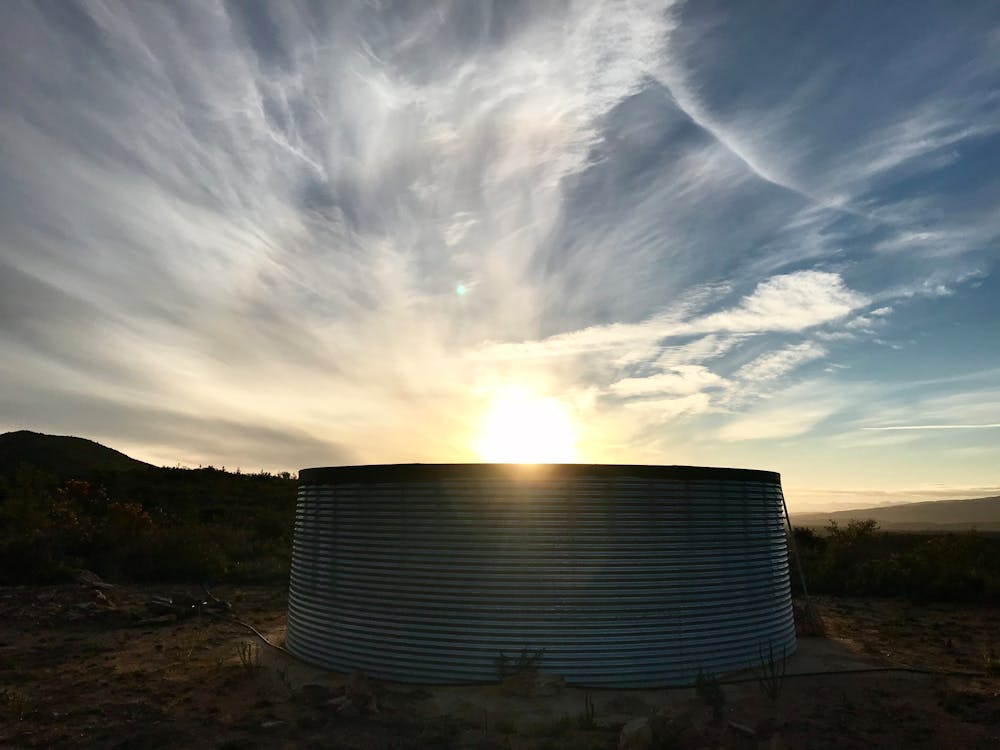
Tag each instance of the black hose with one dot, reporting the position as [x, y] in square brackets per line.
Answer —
[862, 670]
[260, 635]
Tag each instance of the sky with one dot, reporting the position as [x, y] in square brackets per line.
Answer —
[280, 235]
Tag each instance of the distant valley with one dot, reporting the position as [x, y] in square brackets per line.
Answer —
[938, 515]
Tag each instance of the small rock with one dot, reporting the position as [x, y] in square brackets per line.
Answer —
[529, 684]
[160, 620]
[272, 724]
[311, 722]
[677, 729]
[476, 739]
[765, 727]
[89, 578]
[360, 693]
[636, 735]
[357, 684]
[739, 737]
[314, 694]
[548, 684]
[349, 711]
[518, 683]
[808, 621]
[102, 598]
[667, 728]
[339, 703]
[741, 729]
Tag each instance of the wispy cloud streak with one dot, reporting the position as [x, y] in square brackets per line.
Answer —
[936, 427]
[250, 221]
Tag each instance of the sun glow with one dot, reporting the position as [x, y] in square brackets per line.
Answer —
[521, 427]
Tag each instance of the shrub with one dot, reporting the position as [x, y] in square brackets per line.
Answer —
[860, 559]
[47, 530]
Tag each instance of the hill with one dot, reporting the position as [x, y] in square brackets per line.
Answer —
[61, 456]
[981, 513]
[80, 504]
[202, 494]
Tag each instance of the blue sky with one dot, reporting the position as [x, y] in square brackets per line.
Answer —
[687, 233]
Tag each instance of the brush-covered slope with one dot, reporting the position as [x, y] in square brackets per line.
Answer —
[982, 513]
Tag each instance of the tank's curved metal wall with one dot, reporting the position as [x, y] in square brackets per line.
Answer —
[629, 576]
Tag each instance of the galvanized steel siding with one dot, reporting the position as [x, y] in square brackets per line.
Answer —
[622, 580]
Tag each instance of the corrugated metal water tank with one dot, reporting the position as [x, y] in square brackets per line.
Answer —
[619, 576]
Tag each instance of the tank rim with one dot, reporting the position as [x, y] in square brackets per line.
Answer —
[389, 473]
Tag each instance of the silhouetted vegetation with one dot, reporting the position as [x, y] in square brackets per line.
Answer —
[861, 559]
[526, 661]
[151, 524]
[68, 503]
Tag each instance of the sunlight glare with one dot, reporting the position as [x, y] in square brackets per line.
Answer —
[521, 427]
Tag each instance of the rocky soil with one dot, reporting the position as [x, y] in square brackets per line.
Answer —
[87, 665]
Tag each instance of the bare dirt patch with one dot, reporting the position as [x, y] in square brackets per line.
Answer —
[76, 671]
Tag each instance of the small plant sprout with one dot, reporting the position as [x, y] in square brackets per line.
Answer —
[710, 691]
[249, 654]
[586, 720]
[15, 703]
[991, 661]
[282, 674]
[771, 673]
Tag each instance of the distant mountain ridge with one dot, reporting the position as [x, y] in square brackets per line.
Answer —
[62, 456]
[65, 457]
[982, 513]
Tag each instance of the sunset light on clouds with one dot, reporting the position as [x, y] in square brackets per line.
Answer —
[297, 234]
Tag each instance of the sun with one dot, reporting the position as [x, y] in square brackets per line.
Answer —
[522, 427]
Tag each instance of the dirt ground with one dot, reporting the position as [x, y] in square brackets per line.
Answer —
[79, 671]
